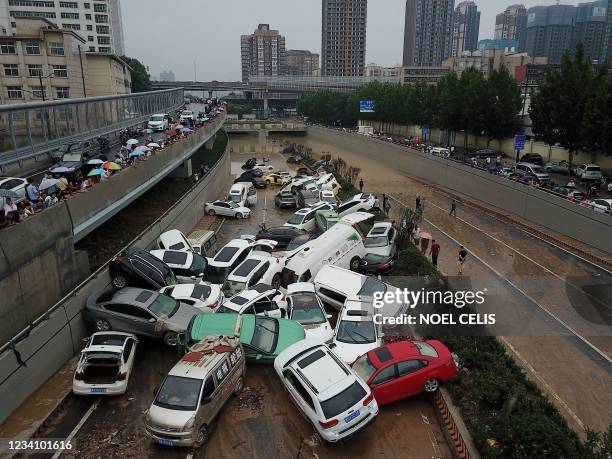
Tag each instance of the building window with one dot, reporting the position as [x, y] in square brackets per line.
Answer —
[92, 49]
[7, 48]
[35, 70]
[104, 49]
[60, 71]
[70, 15]
[56, 49]
[62, 93]
[37, 4]
[11, 70]
[69, 5]
[89, 27]
[32, 48]
[102, 29]
[72, 26]
[104, 40]
[102, 18]
[87, 5]
[33, 14]
[90, 38]
[14, 92]
[99, 7]
[88, 16]
[39, 92]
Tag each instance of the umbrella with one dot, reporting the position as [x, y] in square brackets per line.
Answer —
[142, 148]
[424, 235]
[111, 166]
[47, 183]
[137, 153]
[94, 172]
[153, 145]
[149, 131]
[132, 142]
[186, 130]
[169, 133]
[178, 126]
[8, 194]
[95, 161]
[62, 170]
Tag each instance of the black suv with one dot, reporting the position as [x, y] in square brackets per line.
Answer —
[305, 198]
[281, 234]
[138, 268]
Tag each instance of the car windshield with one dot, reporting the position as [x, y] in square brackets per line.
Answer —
[71, 157]
[297, 242]
[356, 332]
[376, 241]
[233, 203]
[179, 393]
[363, 367]
[225, 310]
[329, 199]
[425, 349]
[371, 286]
[306, 309]
[346, 399]
[217, 274]
[198, 266]
[296, 219]
[536, 169]
[265, 335]
[164, 306]
[157, 118]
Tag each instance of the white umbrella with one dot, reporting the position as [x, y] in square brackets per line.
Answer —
[132, 142]
[47, 183]
[153, 145]
[95, 161]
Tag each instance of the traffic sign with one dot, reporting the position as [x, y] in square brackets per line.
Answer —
[425, 130]
[519, 142]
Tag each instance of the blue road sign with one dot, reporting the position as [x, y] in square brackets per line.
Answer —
[425, 130]
[519, 142]
[366, 106]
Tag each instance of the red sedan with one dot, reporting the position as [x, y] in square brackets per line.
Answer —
[406, 368]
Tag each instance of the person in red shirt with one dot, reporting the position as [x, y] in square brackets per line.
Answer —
[435, 251]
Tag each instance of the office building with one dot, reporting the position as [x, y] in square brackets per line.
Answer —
[427, 32]
[466, 24]
[373, 70]
[42, 61]
[99, 23]
[491, 59]
[343, 37]
[263, 53]
[553, 29]
[413, 75]
[302, 63]
[512, 25]
[167, 75]
[498, 44]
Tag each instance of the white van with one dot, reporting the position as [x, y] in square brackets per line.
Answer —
[174, 240]
[243, 194]
[335, 285]
[201, 241]
[329, 182]
[341, 245]
[442, 152]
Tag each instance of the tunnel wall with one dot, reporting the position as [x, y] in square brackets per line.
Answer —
[56, 338]
[537, 206]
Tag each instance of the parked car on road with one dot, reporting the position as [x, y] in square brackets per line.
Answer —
[306, 198]
[284, 199]
[304, 305]
[305, 218]
[602, 205]
[16, 185]
[260, 299]
[259, 267]
[335, 401]
[356, 332]
[139, 311]
[194, 392]
[202, 296]
[139, 268]
[405, 368]
[186, 116]
[281, 234]
[105, 364]
[328, 196]
[158, 122]
[227, 209]
[186, 266]
[558, 167]
[537, 171]
[227, 258]
[374, 264]
[588, 172]
[381, 239]
[361, 202]
[532, 158]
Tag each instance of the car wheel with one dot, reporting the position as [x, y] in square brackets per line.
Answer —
[211, 212]
[355, 263]
[431, 386]
[103, 325]
[239, 386]
[202, 437]
[276, 281]
[238, 215]
[119, 281]
[170, 339]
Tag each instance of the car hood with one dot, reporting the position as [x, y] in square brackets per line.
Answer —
[384, 251]
[349, 352]
[164, 418]
[319, 332]
[181, 318]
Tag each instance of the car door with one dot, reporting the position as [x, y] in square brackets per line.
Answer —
[142, 322]
[413, 374]
[256, 278]
[300, 395]
[384, 385]
[266, 306]
[129, 350]
[309, 221]
[392, 237]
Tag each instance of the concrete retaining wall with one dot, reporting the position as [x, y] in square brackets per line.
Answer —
[534, 205]
[54, 340]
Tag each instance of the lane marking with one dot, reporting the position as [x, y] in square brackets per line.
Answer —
[76, 429]
[526, 295]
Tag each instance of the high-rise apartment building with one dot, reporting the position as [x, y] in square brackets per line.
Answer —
[427, 32]
[263, 53]
[98, 22]
[607, 44]
[343, 37]
[466, 24]
[301, 62]
[553, 29]
[166, 75]
[512, 25]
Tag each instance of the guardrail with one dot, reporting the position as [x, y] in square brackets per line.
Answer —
[31, 129]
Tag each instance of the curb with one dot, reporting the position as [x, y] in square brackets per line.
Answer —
[456, 432]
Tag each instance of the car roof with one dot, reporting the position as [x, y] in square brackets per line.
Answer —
[330, 274]
[176, 258]
[240, 244]
[357, 310]
[204, 356]
[380, 229]
[355, 217]
[251, 294]
[135, 296]
[391, 353]
[256, 257]
[300, 287]
[186, 290]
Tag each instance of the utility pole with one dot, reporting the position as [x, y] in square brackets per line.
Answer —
[195, 73]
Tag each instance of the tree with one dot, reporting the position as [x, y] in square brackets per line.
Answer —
[450, 102]
[141, 81]
[597, 122]
[502, 106]
[474, 92]
[558, 109]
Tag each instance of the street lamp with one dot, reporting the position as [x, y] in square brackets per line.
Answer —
[40, 78]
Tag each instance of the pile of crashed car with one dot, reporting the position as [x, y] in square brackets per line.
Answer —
[264, 298]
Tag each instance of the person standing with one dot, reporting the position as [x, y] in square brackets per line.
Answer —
[453, 209]
[462, 256]
[417, 202]
[9, 208]
[386, 204]
[32, 191]
[361, 184]
[434, 251]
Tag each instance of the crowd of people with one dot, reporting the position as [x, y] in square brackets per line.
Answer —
[58, 186]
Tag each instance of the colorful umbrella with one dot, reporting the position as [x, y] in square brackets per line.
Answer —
[95, 161]
[62, 170]
[47, 183]
[142, 148]
[425, 235]
[132, 142]
[154, 145]
[149, 131]
[186, 130]
[111, 166]
[137, 153]
[95, 172]
[178, 126]
[170, 133]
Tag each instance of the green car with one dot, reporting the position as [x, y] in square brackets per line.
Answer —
[326, 219]
[263, 337]
[560, 167]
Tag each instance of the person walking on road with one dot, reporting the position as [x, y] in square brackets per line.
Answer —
[361, 184]
[435, 251]
[417, 202]
[386, 204]
[462, 256]
[453, 209]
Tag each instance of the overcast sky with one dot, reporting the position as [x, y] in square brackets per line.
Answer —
[171, 35]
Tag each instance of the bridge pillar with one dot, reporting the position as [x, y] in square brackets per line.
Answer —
[184, 171]
[210, 94]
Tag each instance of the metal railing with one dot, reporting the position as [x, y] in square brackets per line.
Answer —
[314, 83]
[31, 129]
